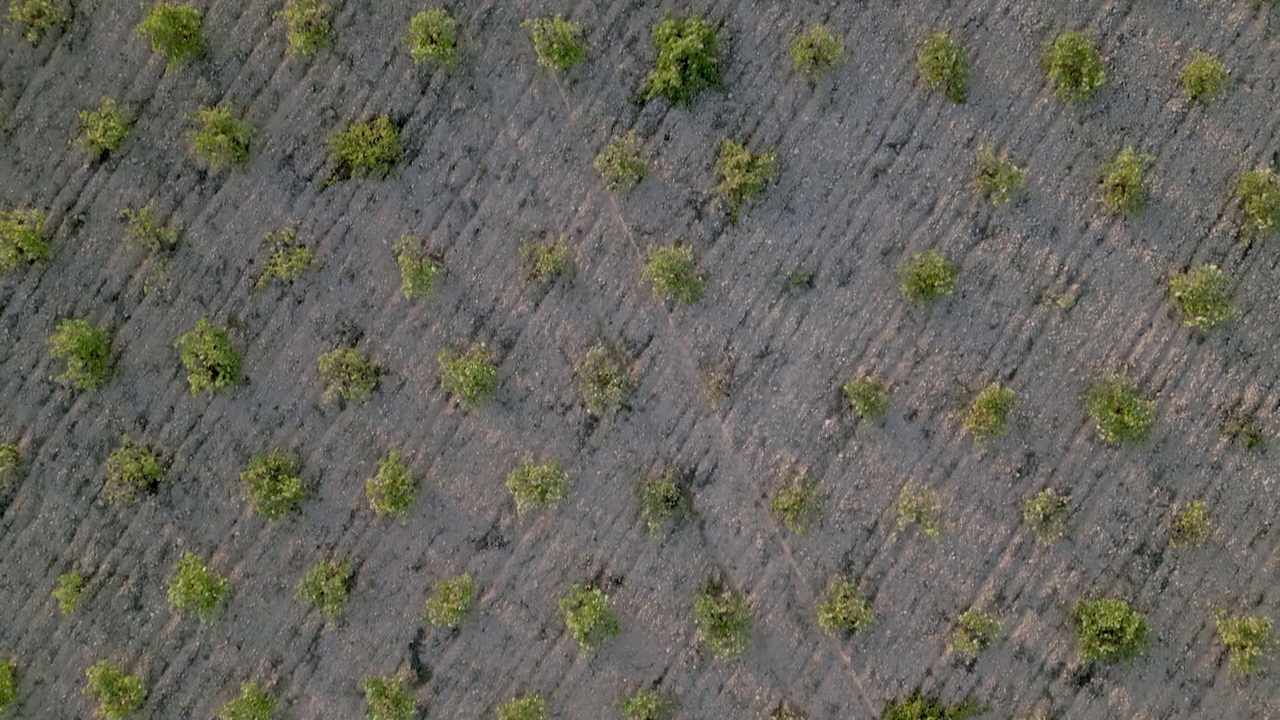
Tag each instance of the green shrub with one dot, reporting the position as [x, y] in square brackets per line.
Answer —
[1204, 77]
[8, 684]
[621, 163]
[22, 238]
[1046, 513]
[647, 704]
[211, 363]
[672, 273]
[1074, 66]
[1246, 638]
[927, 276]
[1122, 189]
[451, 601]
[251, 704]
[10, 458]
[815, 52]
[119, 694]
[220, 138]
[868, 396]
[288, 258]
[433, 38]
[1119, 411]
[1201, 296]
[1109, 630]
[174, 31]
[742, 175]
[544, 261]
[308, 22]
[143, 227]
[366, 148]
[588, 615]
[348, 374]
[1259, 195]
[471, 378]
[1242, 429]
[687, 63]
[535, 485]
[391, 491]
[919, 707]
[526, 707]
[87, 351]
[661, 500]
[723, 619]
[273, 485]
[843, 609]
[1191, 525]
[132, 470]
[34, 18]
[997, 179]
[797, 503]
[326, 586]
[974, 631]
[942, 63]
[558, 42]
[603, 379]
[988, 416]
[920, 507]
[388, 700]
[103, 130]
[67, 593]
[196, 589]
[418, 273]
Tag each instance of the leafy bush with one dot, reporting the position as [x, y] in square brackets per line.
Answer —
[288, 258]
[927, 276]
[273, 485]
[196, 589]
[621, 164]
[348, 374]
[988, 416]
[143, 227]
[1119, 411]
[1122, 189]
[308, 26]
[868, 396]
[34, 18]
[1246, 637]
[220, 138]
[418, 273]
[527, 707]
[1204, 77]
[104, 130]
[132, 470]
[974, 631]
[661, 500]
[87, 351]
[943, 64]
[742, 175]
[119, 694]
[1242, 429]
[365, 148]
[815, 52]
[723, 619]
[1191, 525]
[997, 179]
[326, 586]
[388, 700]
[920, 507]
[558, 42]
[535, 485]
[10, 457]
[588, 615]
[843, 609]
[797, 503]
[544, 261]
[673, 274]
[67, 593]
[1201, 295]
[1046, 513]
[1259, 195]
[433, 38]
[471, 378]
[1074, 66]
[919, 707]
[174, 31]
[8, 684]
[451, 601]
[687, 63]
[251, 704]
[211, 363]
[647, 704]
[1109, 630]
[603, 380]
[22, 238]
[391, 491]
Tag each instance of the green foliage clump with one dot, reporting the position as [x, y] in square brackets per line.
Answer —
[672, 273]
[142, 226]
[8, 684]
[815, 52]
[535, 485]
[661, 500]
[920, 507]
[723, 619]
[1191, 525]
[1259, 195]
[211, 363]
[1246, 638]
[366, 148]
[391, 491]
[742, 175]
[388, 700]
[433, 37]
[988, 416]
[1109, 629]
[288, 258]
[1074, 66]
[1119, 411]
[588, 615]
[603, 380]
[348, 374]
[194, 588]
[1201, 295]
[103, 130]
[87, 351]
[220, 138]
[326, 586]
[1204, 77]
[558, 42]
[10, 457]
[119, 694]
[1122, 189]
[797, 503]
[687, 62]
[418, 273]
[997, 179]
[273, 485]
[1046, 513]
[974, 631]
[526, 707]
[22, 238]
[251, 704]
[920, 707]
[451, 601]
[67, 593]
[868, 396]
[545, 261]
[621, 163]
[34, 18]
[132, 470]
[308, 22]
[943, 64]
[927, 276]
[647, 704]
[843, 609]
[471, 378]
[174, 31]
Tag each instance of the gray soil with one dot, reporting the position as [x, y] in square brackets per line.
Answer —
[872, 167]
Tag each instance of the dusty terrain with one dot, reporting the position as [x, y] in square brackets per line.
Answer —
[872, 167]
